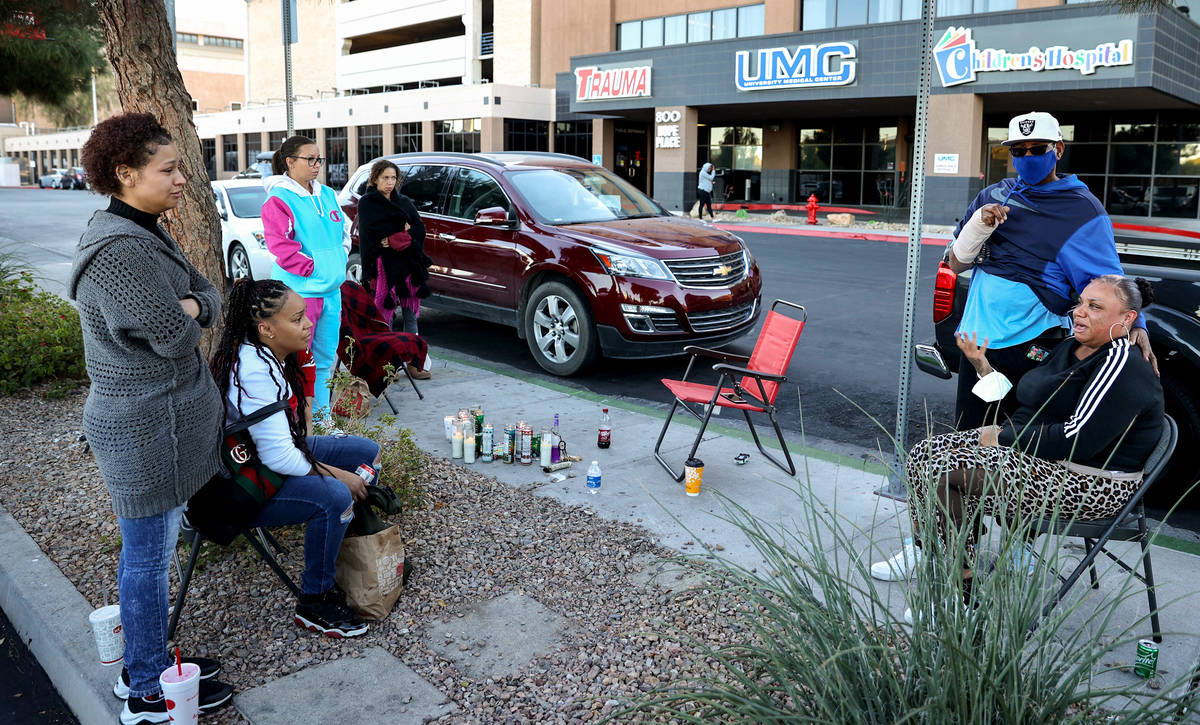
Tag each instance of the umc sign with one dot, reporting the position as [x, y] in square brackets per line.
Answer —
[805, 66]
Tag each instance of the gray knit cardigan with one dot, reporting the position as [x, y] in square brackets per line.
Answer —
[153, 415]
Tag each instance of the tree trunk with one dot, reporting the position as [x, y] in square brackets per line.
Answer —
[138, 41]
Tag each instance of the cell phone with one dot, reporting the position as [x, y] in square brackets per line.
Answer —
[733, 397]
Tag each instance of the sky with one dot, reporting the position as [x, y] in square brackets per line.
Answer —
[225, 18]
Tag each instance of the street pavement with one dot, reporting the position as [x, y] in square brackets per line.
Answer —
[635, 489]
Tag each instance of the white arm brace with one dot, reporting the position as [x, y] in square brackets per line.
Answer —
[970, 240]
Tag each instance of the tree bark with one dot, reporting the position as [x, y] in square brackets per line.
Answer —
[139, 45]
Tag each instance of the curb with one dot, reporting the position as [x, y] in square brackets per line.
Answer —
[51, 617]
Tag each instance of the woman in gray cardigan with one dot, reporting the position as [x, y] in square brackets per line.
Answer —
[153, 416]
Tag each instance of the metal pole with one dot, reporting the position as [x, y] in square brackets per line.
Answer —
[287, 65]
[170, 7]
[916, 217]
[95, 106]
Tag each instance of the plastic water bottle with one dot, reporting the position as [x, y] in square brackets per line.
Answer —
[593, 478]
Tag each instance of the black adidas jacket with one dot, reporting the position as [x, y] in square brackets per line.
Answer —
[1104, 411]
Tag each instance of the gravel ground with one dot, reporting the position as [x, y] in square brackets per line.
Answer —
[477, 540]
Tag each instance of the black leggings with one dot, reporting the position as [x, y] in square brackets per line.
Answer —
[705, 201]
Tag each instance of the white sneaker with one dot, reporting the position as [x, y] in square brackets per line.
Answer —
[901, 566]
[908, 616]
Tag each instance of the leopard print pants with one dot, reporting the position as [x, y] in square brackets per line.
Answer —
[1022, 484]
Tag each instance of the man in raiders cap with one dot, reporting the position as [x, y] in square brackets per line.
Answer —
[1034, 242]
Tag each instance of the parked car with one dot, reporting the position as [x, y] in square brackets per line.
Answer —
[242, 242]
[575, 258]
[1165, 256]
[260, 169]
[78, 177]
[56, 179]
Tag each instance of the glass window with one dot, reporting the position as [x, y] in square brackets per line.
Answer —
[848, 132]
[880, 156]
[814, 135]
[675, 30]
[1177, 158]
[573, 137]
[847, 187]
[699, 27]
[851, 12]
[1138, 127]
[721, 157]
[879, 189]
[629, 35]
[229, 152]
[994, 6]
[882, 134]
[910, 10]
[424, 185]
[524, 135]
[337, 169]
[652, 33]
[724, 24]
[818, 14]
[1179, 127]
[471, 192]
[1175, 198]
[370, 143]
[208, 150]
[848, 157]
[884, 11]
[406, 137]
[747, 158]
[253, 147]
[808, 184]
[751, 20]
[1131, 158]
[247, 201]
[1084, 158]
[461, 135]
[573, 196]
[815, 157]
[1095, 184]
[953, 7]
[1128, 195]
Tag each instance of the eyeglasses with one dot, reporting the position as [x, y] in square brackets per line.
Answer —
[312, 160]
[1019, 151]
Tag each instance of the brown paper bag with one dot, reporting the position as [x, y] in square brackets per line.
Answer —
[370, 570]
[352, 399]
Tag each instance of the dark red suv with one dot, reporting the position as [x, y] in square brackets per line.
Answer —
[576, 259]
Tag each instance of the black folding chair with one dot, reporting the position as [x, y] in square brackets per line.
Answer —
[1128, 525]
[259, 538]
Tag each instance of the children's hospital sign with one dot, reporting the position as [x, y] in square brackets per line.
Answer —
[961, 58]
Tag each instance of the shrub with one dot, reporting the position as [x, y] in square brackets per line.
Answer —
[40, 337]
[819, 641]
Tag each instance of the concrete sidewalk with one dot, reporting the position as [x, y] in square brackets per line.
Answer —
[635, 489]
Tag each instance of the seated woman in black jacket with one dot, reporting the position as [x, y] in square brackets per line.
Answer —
[391, 238]
[1090, 415]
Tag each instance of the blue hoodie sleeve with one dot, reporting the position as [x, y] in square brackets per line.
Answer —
[1089, 253]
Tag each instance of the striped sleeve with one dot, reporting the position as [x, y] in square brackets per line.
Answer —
[1108, 405]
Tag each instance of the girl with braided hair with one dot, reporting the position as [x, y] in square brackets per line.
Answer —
[257, 364]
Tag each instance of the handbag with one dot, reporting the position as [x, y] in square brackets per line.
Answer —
[399, 241]
[232, 498]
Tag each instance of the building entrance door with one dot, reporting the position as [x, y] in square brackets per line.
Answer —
[630, 143]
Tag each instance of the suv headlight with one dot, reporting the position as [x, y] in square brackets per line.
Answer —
[626, 265]
[262, 240]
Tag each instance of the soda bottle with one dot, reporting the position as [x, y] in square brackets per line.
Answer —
[604, 438]
[593, 478]
[555, 456]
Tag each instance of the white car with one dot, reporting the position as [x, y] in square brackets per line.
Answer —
[244, 246]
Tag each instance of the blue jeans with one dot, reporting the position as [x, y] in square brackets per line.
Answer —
[146, 547]
[321, 502]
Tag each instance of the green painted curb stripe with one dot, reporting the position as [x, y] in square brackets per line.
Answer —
[1181, 545]
[807, 451]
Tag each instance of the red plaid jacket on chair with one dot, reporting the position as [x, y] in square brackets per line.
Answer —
[374, 344]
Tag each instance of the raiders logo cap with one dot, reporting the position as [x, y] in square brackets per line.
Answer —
[1035, 126]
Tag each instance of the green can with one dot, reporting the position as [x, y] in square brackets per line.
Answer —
[1146, 664]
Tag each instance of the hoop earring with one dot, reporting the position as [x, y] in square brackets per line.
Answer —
[1110, 327]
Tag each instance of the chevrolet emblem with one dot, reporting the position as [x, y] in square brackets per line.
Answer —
[723, 270]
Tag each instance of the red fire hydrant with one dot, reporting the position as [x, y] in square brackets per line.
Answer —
[812, 208]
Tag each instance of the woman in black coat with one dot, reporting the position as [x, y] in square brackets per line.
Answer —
[391, 238]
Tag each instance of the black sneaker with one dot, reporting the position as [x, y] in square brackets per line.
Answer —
[208, 668]
[144, 710]
[328, 614]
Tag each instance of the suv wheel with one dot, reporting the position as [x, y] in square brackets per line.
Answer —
[239, 262]
[559, 331]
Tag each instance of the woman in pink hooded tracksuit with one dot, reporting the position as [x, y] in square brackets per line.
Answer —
[307, 233]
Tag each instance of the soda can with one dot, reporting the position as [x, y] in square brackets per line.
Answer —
[527, 445]
[366, 473]
[487, 447]
[509, 442]
[1146, 664]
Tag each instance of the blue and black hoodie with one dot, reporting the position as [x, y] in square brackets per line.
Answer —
[1057, 238]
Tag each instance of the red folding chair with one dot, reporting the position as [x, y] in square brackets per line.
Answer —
[756, 391]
